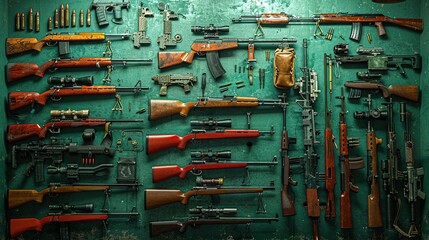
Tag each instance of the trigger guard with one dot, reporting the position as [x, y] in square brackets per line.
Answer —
[196, 172]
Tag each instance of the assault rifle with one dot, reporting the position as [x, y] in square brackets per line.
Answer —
[18, 226]
[161, 173]
[412, 179]
[156, 143]
[355, 19]
[346, 164]
[17, 71]
[210, 216]
[18, 197]
[38, 152]
[19, 45]
[159, 197]
[165, 108]
[211, 45]
[18, 132]
[19, 100]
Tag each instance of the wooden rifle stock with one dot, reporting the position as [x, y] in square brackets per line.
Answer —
[169, 59]
[345, 204]
[19, 45]
[20, 225]
[410, 92]
[158, 228]
[156, 143]
[159, 197]
[16, 198]
[375, 219]
[330, 173]
[17, 71]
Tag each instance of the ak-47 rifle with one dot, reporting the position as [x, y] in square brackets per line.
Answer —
[156, 143]
[375, 219]
[288, 207]
[410, 92]
[19, 45]
[211, 45]
[166, 108]
[18, 226]
[346, 164]
[161, 173]
[210, 216]
[16, 71]
[19, 100]
[159, 197]
[308, 88]
[355, 19]
[18, 197]
[18, 132]
[412, 179]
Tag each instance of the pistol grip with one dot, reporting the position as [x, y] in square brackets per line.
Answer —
[214, 64]
[186, 88]
[380, 29]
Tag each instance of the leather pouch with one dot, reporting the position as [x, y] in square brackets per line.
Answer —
[284, 62]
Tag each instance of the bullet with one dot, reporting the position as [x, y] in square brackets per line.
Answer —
[81, 18]
[50, 24]
[73, 22]
[88, 18]
[22, 21]
[37, 21]
[67, 16]
[56, 23]
[17, 22]
[30, 20]
[62, 15]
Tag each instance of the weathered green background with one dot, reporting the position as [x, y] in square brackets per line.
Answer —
[399, 41]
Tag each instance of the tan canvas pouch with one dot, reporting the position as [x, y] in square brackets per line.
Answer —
[284, 62]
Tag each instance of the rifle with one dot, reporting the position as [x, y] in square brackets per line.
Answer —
[288, 206]
[18, 197]
[184, 80]
[158, 228]
[375, 220]
[211, 45]
[309, 91]
[19, 45]
[38, 152]
[331, 179]
[161, 173]
[18, 226]
[412, 179]
[17, 71]
[355, 19]
[159, 197]
[165, 108]
[346, 164]
[410, 92]
[156, 143]
[19, 100]
[18, 132]
[384, 62]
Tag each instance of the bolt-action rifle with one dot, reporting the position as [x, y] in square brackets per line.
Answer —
[161, 173]
[211, 45]
[355, 19]
[19, 100]
[18, 132]
[18, 226]
[18, 197]
[210, 216]
[19, 45]
[17, 71]
[156, 143]
[412, 179]
[346, 164]
[159, 197]
[165, 108]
